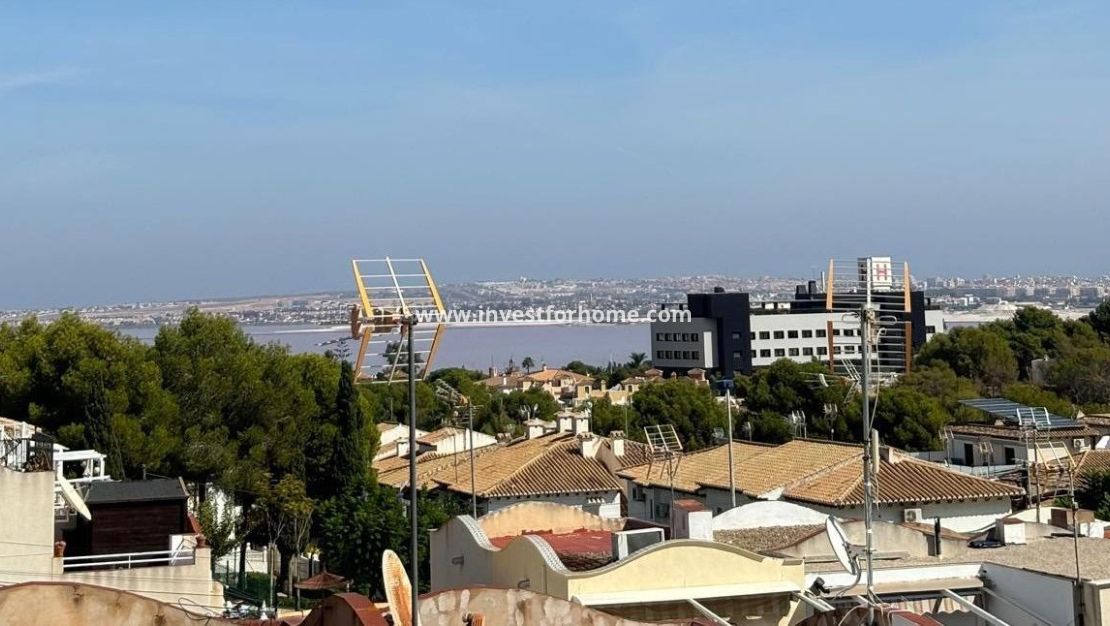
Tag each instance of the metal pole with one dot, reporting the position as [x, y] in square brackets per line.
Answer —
[473, 484]
[413, 489]
[868, 496]
[731, 476]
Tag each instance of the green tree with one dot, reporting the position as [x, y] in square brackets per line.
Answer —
[1099, 320]
[1093, 492]
[909, 419]
[1083, 376]
[690, 407]
[636, 360]
[527, 364]
[354, 531]
[351, 461]
[218, 525]
[973, 353]
[100, 435]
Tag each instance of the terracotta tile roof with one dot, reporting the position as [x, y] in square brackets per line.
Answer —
[439, 435]
[1015, 433]
[905, 481]
[579, 550]
[1094, 461]
[696, 468]
[635, 453]
[550, 374]
[786, 464]
[545, 465]
[394, 471]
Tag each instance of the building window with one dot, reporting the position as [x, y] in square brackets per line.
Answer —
[780, 352]
[1010, 455]
[695, 354]
[737, 359]
[836, 332]
[662, 510]
[791, 334]
[686, 355]
[668, 354]
[736, 336]
[658, 354]
[822, 351]
[807, 334]
[779, 334]
[752, 337]
[666, 336]
[836, 349]
[819, 333]
[794, 352]
[930, 330]
[848, 332]
[765, 354]
[659, 336]
[849, 349]
[764, 334]
[807, 351]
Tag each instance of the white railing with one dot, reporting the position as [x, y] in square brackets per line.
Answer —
[127, 560]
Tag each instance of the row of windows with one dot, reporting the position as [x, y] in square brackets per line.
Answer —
[685, 355]
[677, 337]
[818, 351]
[820, 333]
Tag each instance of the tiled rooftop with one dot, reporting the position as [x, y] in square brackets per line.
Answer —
[695, 468]
[819, 472]
[547, 465]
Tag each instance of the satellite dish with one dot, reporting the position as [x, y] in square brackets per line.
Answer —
[841, 547]
[74, 499]
[398, 589]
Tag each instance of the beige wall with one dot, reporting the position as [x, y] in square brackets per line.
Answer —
[462, 557]
[26, 525]
[510, 607]
[51, 604]
[185, 583]
[887, 537]
[532, 516]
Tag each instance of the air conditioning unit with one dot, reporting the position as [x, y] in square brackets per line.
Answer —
[1079, 443]
[627, 542]
[912, 516]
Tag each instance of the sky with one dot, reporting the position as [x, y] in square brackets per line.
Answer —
[155, 151]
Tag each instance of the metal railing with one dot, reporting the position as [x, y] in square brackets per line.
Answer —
[30, 454]
[128, 560]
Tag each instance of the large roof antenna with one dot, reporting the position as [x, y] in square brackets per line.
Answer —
[871, 345]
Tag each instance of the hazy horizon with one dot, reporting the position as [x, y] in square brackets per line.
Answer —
[155, 151]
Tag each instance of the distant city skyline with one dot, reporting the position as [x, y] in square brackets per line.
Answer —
[157, 152]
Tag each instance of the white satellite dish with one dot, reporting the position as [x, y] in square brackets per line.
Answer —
[841, 547]
[74, 499]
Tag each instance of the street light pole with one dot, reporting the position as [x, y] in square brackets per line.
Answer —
[473, 484]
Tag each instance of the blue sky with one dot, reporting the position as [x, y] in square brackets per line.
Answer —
[158, 150]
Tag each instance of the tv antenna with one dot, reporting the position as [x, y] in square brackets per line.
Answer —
[462, 403]
[664, 447]
[398, 321]
[871, 345]
[797, 420]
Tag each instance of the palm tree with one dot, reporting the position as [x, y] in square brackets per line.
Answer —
[636, 360]
[527, 364]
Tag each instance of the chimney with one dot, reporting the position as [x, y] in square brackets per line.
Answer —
[535, 428]
[616, 442]
[588, 444]
[492, 371]
[564, 422]
[402, 446]
[604, 385]
[581, 424]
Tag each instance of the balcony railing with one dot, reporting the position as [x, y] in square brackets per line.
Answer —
[128, 560]
[30, 454]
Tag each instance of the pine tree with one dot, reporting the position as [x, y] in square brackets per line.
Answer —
[351, 459]
[100, 436]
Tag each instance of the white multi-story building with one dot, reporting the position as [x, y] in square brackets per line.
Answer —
[728, 333]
